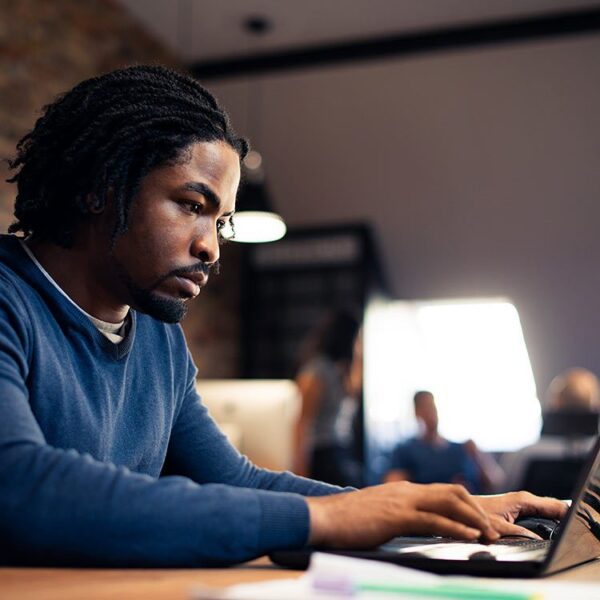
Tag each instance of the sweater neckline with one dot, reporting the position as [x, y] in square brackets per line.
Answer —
[76, 316]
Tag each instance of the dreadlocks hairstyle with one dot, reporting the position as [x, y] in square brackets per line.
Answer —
[100, 139]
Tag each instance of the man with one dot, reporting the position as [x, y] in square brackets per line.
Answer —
[430, 458]
[125, 186]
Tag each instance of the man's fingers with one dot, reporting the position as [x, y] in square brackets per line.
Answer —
[456, 509]
[505, 528]
[536, 505]
[457, 504]
[426, 523]
[462, 493]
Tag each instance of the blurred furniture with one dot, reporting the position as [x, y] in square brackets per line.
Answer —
[257, 416]
[288, 286]
[555, 477]
[557, 473]
[571, 424]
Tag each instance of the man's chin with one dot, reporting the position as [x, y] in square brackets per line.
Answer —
[163, 308]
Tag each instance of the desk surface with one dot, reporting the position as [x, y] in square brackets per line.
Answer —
[152, 584]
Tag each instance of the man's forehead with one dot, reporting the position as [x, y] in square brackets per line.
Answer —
[212, 164]
[215, 159]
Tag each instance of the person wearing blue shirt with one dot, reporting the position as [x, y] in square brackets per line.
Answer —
[126, 186]
[430, 458]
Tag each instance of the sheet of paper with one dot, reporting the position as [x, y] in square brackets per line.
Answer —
[330, 577]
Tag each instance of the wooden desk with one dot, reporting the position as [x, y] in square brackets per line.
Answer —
[142, 584]
[154, 584]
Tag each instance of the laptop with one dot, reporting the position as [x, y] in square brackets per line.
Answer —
[575, 541]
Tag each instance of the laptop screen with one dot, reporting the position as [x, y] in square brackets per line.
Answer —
[579, 537]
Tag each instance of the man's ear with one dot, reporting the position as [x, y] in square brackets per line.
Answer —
[95, 204]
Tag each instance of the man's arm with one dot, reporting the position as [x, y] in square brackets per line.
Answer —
[200, 451]
[59, 506]
[62, 507]
[491, 475]
[341, 518]
[373, 515]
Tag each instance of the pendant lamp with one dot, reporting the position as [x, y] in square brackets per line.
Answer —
[255, 220]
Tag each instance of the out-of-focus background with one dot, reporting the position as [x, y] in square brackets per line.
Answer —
[436, 164]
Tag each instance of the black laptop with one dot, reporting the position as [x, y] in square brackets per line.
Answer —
[576, 540]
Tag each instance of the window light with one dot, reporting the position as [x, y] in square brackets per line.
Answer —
[470, 353]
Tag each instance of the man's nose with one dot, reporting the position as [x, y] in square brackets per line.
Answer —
[205, 245]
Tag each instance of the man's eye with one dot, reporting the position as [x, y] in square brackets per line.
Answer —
[192, 207]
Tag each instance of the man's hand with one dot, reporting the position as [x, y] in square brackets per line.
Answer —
[504, 509]
[374, 515]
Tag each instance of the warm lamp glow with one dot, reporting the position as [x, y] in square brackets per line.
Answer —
[258, 226]
[253, 160]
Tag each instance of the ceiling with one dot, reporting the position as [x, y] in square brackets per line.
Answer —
[202, 30]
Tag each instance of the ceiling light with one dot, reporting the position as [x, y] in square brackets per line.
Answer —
[254, 219]
[255, 226]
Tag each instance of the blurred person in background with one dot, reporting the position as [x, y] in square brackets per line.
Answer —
[576, 392]
[329, 380]
[430, 458]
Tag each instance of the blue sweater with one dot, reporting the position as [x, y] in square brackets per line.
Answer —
[86, 429]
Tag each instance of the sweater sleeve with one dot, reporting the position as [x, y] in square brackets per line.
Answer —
[62, 507]
[199, 450]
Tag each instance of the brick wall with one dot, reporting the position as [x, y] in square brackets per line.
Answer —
[46, 47]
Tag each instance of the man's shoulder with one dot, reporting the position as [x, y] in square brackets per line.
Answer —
[458, 446]
[459, 450]
[12, 263]
[407, 445]
[13, 290]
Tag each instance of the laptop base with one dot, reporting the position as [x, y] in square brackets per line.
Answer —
[300, 559]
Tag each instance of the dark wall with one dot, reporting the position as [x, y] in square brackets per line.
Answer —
[46, 48]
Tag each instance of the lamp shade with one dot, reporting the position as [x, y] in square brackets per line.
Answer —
[254, 219]
[254, 226]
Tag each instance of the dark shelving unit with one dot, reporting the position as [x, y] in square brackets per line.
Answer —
[288, 285]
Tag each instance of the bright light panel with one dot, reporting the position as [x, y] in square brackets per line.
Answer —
[471, 354]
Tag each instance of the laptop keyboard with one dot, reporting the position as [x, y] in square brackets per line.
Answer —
[523, 544]
[514, 542]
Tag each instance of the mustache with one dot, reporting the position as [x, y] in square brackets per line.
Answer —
[205, 268]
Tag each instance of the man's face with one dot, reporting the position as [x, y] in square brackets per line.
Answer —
[175, 224]
[426, 412]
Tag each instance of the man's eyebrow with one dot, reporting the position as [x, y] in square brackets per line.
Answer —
[204, 190]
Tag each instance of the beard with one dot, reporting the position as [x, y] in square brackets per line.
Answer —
[163, 308]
